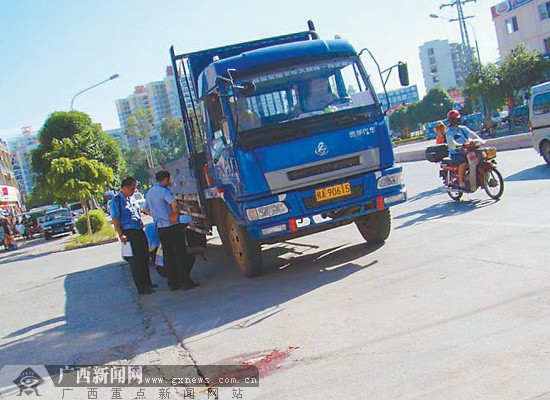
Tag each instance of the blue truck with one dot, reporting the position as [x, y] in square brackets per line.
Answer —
[285, 138]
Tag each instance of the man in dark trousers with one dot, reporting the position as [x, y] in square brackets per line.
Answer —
[165, 212]
[129, 227]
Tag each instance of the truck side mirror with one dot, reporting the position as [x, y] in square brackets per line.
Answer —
[403, 73]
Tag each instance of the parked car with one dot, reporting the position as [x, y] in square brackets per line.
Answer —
[58, 222]
[539, 112]
[75, 208]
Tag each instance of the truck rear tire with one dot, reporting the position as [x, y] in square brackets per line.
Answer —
[375, 227]
[220, 218]
[247, 252]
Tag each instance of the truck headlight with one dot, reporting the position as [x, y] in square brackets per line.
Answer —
[263, 212]
[390, 180]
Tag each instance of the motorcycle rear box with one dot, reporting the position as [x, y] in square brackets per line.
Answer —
[437, 153]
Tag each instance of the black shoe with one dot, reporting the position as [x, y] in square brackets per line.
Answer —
[145, 291]
[190, 285]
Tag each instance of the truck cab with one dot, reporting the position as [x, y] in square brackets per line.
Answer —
[286, 138]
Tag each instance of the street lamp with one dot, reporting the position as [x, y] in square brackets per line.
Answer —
[91, 87]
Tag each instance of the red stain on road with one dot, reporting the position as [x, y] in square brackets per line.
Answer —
[268, 363]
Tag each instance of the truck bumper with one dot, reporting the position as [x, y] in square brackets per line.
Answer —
[306, 216]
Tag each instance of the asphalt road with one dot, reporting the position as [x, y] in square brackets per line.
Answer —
[455, 305]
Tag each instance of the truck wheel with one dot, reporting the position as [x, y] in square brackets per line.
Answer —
[220, 218]
[47, 237]
[545, 151]
[375, 227]
[247, 252]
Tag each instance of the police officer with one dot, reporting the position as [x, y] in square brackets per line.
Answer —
[165, 212]
[129, 227]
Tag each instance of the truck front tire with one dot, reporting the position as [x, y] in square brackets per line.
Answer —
[375, 227]
[247, 252]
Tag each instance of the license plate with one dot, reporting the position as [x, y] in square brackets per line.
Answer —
[332, 192]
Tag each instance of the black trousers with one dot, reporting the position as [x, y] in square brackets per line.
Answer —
[174, 250]
[139, 262]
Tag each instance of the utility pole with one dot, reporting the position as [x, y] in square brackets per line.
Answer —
[467, 53]
[466, 47]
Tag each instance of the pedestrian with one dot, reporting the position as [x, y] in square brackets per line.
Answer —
[129, 227]
[440, 130]
[165, 212]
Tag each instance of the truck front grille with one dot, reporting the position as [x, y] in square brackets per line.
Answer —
[323, 168]
[356, 191]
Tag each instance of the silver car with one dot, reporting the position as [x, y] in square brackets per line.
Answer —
[539, 113]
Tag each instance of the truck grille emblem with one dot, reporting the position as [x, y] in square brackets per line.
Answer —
[322, 149]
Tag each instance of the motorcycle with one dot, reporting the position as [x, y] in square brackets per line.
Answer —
[480, 159]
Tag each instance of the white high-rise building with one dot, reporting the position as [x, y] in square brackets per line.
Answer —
[119, 135]
[20, 148]
[443, 64]
[158, 100]
[123, 110]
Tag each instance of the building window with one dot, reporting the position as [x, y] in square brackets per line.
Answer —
[544, 10]
[512, 25]
[432, 60]
[430, 51]
[547, 45]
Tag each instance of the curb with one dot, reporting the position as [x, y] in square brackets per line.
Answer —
[91, 244]
[521, 141]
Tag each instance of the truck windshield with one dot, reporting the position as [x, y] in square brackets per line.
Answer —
[302, 91]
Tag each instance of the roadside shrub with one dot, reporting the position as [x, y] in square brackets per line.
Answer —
[97, 221]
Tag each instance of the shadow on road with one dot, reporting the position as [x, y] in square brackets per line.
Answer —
[104, 321]
[425, 194]
[100, 324]
[442, 210]
[539, 172]
[229, 300]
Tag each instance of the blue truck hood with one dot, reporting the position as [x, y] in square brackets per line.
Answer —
[314, 159]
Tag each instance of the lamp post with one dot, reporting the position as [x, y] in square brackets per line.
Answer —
[91, 87]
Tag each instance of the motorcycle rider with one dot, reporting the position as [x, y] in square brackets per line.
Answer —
[456, 136]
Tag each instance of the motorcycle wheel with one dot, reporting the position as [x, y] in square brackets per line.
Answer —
[455, 195]
[493, 183]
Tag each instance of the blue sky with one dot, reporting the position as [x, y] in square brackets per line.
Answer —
[50, 50]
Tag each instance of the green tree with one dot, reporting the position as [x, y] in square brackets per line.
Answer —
[136, 164]
[172, 132]
[398, 119]
[71, 134]
[435, 105]
[79, 178]
[520, 70]
[140, 125]
[484, 81]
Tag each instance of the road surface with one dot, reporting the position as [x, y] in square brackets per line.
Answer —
[455, 305]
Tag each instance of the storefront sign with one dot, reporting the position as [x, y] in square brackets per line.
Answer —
[507, 6]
